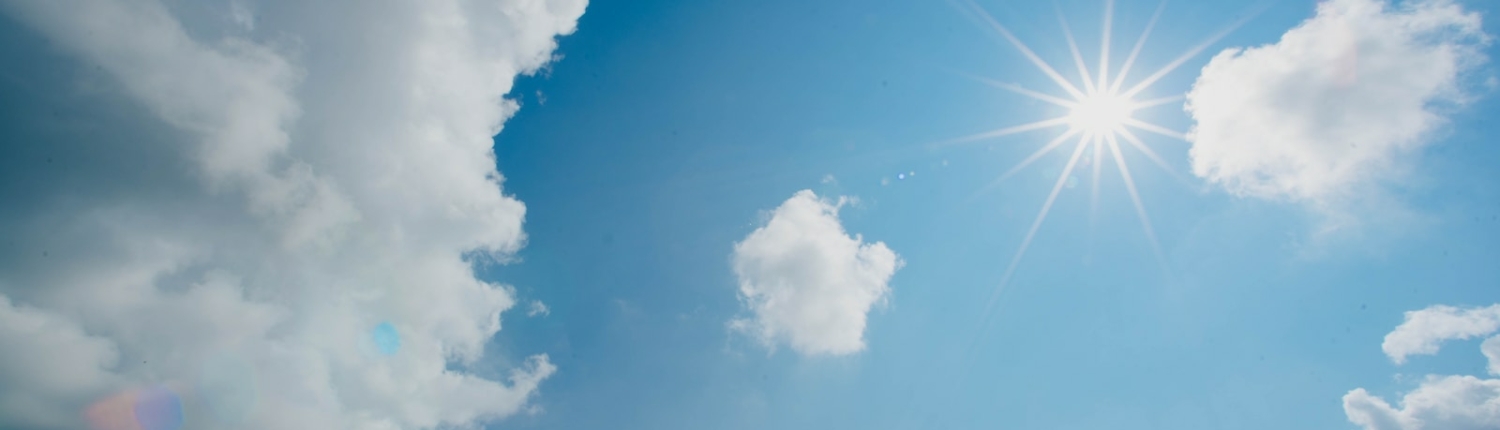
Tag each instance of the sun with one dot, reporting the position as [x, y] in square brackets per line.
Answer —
[1100, 117]
[1100, 113]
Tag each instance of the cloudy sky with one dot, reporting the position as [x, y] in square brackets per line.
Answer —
[665, 214]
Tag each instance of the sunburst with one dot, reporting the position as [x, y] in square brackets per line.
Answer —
[1100, 116]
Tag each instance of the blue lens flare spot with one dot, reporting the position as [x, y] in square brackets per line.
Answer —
[387, 341]
[158, 408]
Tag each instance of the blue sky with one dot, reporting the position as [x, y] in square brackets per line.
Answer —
[659, 140]
[679, 121]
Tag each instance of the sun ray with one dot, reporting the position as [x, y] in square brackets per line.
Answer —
[1135, 141]
[1047, 123]
[1141, 146]
[1025, 50]
[1135, 197]
[1010, 270]
[1136, 51]
[1193, 52]
[1154, 128]
[1083, 69]
[1094, 187]
[1033, 157]
[1157, 101]
[1109, 17]
[1059, 101]
[1093, 200]
[1099, 117]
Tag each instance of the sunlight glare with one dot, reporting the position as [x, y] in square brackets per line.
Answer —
[1100, 114]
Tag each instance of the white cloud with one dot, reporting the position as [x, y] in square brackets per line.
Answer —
[538, 308]
[1452, 402]
[806, 282]
[1491, 350]
[1335, 105]
[327, 180]
[1424, 330]
[1440, 403]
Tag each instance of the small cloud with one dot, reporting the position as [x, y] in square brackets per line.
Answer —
[538, 308]
[1424, 330]
[535, 410]
[806, 282]
[1440, 402]
[1338, 105]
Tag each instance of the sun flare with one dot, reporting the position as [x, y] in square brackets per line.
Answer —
[1100, 113]
[1100, 118]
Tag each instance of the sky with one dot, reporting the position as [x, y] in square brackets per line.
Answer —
[665, 214]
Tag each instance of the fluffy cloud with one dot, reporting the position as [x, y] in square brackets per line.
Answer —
[1440, 403]
[55, 360]
[1334, 105]
[1453, 402]
[1424, 330]
[1491, 350]
[268, 212]
[806, 282]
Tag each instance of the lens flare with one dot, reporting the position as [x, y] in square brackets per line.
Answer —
[152, 408]
[1100, 114]
[158, 408]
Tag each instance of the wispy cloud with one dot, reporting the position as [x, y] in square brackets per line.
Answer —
[538, 308]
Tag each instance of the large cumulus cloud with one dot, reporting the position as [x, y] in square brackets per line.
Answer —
[269, 211]
[1337, 104]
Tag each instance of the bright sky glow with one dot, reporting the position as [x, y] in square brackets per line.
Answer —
[1099, 117]
[1100, 113]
